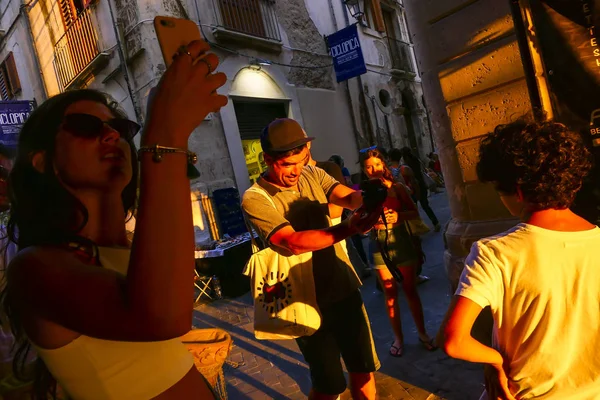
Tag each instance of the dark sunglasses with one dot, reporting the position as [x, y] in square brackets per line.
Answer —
[90, 126]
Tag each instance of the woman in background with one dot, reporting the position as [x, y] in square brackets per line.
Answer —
[396, 250]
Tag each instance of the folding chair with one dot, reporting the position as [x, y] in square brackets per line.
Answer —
[203, 283]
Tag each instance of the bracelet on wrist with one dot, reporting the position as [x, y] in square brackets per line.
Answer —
[158, 152]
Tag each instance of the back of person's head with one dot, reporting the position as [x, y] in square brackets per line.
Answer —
[407, 154]
[337, 159]
[546, 161]
[7, 152]
[395, 155]
[42, 209]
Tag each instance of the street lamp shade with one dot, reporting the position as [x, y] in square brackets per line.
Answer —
[354, 8]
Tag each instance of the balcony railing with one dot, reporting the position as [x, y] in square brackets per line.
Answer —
[76, 49]
[251, 17]
[401, 55]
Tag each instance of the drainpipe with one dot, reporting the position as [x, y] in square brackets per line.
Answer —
[23, 10]
[376, 121]
[123, 60]
[360, 82]
[528, 67]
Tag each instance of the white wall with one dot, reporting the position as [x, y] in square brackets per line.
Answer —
[326, 117]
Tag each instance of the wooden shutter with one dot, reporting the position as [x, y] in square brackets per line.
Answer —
[68, 12]
[245, 16]
[377, 15]
[252, 117]
[4, 91]
[388, 19]
[13, 76]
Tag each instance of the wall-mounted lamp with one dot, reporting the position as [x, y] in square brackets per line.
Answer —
[355, 10]
[257, 62]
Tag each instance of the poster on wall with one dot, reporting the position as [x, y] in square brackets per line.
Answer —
[348, 60]
[570, 47]
[12, 117]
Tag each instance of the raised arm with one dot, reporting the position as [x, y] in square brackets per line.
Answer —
[154, 301]
[346, 197]
[279, 233]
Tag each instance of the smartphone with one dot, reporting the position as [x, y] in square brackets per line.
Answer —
[173, 33]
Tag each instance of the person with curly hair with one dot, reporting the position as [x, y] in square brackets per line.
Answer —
[539, 278]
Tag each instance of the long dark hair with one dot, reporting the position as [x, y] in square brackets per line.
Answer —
[412, 161]
[377, 153]
[43, 212]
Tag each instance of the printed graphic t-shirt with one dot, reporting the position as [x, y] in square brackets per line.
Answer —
[305, 208]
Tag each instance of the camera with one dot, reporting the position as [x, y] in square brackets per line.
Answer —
[374, 193]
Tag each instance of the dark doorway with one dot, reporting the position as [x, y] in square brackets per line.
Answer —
[252, 117]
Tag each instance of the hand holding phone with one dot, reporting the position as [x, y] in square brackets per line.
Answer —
[174, 34]
[186, 93]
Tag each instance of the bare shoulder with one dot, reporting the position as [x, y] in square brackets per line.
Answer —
[36, 259]
[51, 270]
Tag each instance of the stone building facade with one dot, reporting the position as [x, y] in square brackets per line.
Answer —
[474, 79]
[79, 46]
[275, 56]
[19, 76]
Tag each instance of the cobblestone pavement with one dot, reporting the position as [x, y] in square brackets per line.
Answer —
[276, 369]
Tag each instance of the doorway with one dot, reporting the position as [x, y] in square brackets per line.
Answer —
[252, 117]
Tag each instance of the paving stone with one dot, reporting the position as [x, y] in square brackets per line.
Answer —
[276, 369]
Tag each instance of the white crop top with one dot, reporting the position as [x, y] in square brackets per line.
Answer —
[96, 369]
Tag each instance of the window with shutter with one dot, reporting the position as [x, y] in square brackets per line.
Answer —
[243, 16]
[13, 76]
[4, 93]
[378, 21]
[68, 12]
[252, 117]
[70, 9]
[373, 17]
[10, 84]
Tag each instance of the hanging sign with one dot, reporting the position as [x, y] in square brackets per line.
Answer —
[12, 117]
[348, 60]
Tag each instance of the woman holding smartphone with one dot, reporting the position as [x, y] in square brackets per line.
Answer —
[103, 314]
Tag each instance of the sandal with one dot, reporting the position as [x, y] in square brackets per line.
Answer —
[428, 344]
[398, 350]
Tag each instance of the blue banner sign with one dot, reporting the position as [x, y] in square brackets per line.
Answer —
[12, 117]
[348, 60]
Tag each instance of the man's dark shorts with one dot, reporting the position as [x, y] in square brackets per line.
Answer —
[345, 331]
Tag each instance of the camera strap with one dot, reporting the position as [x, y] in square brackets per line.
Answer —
[385, 253]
